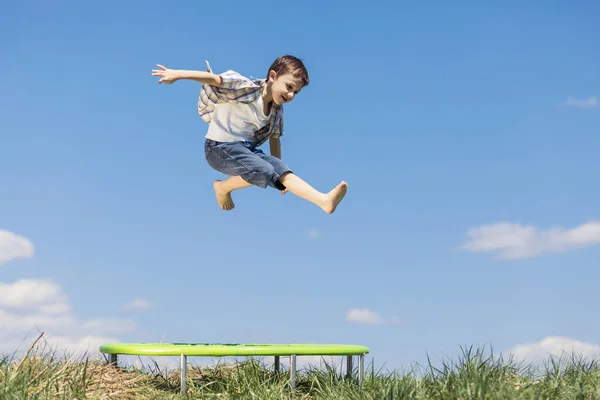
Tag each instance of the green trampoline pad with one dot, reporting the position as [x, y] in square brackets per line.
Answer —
[219, 349]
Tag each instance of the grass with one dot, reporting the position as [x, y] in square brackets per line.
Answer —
[41, 374]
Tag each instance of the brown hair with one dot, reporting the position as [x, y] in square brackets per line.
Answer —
[290, 64]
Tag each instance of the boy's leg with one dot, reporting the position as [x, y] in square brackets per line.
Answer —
[224, 188]
[244, 167]
[327, 201]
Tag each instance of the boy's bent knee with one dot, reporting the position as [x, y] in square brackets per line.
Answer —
[283, 175]
[267, 177]
[261, 176]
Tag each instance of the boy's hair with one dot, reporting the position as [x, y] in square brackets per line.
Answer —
[290, 64]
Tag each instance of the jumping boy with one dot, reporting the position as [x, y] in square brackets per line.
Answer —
[244, 113]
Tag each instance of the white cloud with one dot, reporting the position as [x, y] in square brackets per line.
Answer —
[515, 241]
[138, 304]
[16, 324]
[590, 102]
[109, 325]
[13, 246]
[79, 345]
[56, 308]
[29, 307]
[57, 344]
[34, 294]
[313, 233]
[556, 346]
[11, 323]
[366, 316]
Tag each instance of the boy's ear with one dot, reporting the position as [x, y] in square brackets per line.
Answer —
[272, 75]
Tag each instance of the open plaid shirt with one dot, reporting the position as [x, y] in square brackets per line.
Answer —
[238, 88]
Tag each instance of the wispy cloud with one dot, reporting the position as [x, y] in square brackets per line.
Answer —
[554, 346]
[366, 316]
[108, 325]
[514, 241]
[43, 295]
[13, 246]
[31, 306]
[313, 233]
[590, 102]
[21, 310]
[14, 324]
[138, 304]
[61, 344]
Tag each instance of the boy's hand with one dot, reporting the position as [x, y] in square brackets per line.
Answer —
[284, 191]
[168, 76]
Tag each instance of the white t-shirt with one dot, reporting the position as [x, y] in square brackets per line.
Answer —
[237, 121]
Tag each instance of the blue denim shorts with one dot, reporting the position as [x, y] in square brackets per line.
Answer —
[245, 160]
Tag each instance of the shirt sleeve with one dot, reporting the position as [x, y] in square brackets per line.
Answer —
[235, 88]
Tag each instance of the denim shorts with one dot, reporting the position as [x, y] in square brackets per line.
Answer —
[245, 160]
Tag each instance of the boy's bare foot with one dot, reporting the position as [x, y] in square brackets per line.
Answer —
[333, 198]
[223, 196]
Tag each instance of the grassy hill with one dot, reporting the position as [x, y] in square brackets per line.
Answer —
[44, 375]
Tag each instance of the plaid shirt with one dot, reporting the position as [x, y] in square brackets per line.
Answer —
[237, 88]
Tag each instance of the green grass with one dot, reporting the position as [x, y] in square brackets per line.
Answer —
[474, 375]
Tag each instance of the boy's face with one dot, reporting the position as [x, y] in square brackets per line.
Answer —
[284, 87]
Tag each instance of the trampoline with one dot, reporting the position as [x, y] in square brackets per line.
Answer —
[183, 350]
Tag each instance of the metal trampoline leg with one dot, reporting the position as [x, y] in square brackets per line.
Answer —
[183, 373]
[361, 368]
[276, 365]
[349, 367]
[112, 359]
[293, 371]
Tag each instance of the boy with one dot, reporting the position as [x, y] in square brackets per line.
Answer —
[243, 114]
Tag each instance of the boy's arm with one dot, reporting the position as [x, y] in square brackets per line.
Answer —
[275, 147]
[169, 76]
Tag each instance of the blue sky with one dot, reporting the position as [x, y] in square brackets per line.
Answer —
[441, 120]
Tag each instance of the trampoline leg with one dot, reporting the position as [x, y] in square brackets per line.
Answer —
[349, 367]
[113, 360]
[361, 368]
[276, 364]
[183, 373]
[293, 371]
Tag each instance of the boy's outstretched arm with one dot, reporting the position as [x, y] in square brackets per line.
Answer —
[169, 76]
